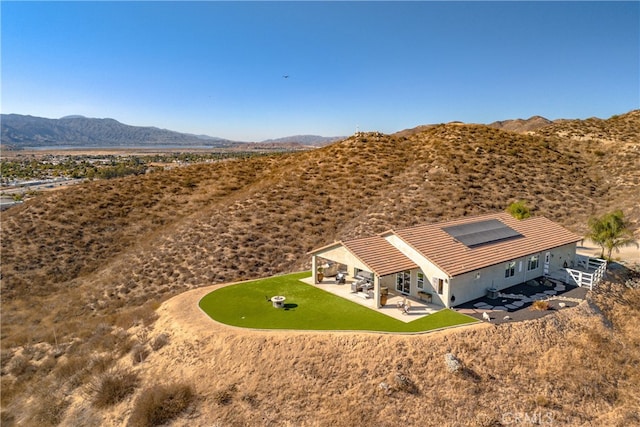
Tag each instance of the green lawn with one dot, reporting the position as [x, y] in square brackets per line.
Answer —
[308, 308]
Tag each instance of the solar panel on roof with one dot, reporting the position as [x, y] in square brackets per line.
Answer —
[481, 232]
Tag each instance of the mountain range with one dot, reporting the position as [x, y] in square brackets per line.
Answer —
[19, 131]
[23, 131]
[75, 131]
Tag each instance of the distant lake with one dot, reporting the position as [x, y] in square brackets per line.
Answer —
[116, 147]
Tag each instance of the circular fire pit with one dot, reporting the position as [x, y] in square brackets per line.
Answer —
[278, 301]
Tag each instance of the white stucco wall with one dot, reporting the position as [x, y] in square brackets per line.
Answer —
[427, 267]
[468, 286]
[464, 287]
[343, 256]
[561, 255]
[389, 281]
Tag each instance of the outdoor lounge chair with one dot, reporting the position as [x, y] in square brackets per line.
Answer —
[355, 287]
[406, 308]
[359, 286]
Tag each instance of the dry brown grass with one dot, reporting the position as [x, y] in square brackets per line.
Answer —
[84, 266]
[540, 305]
[160, 404]
[112, 387]
[560, 367]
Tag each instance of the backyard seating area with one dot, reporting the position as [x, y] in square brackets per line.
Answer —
[362, 287]
[360, 291]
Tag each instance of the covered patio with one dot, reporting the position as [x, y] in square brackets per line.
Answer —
[372, 272]
[417, 310]
[372, 259]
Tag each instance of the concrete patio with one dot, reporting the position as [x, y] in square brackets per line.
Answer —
[418, 309]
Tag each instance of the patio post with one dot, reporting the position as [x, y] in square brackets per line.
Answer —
[314, 269]
[447, 293]
[376, 290]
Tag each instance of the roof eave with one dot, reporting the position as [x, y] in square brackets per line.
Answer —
[325, 247]
[465, 271]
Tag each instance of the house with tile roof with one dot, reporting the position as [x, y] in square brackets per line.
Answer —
[454, 262]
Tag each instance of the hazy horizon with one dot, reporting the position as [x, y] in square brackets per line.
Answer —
[251, 71]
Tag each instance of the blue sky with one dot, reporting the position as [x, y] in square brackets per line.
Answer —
[217, 68]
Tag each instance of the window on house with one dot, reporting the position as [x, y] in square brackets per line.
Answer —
[420, 282]
[510, 269]
[439, 283]
[533, 263]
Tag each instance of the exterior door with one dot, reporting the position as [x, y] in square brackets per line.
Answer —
[547, 257]
[403, 282]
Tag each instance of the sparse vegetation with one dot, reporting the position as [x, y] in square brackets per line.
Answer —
[112, 387]
[540, 305]
[225, 396]
[519, 210]
[85, 268]
[160, 404]
[139, 353]
[159, 341]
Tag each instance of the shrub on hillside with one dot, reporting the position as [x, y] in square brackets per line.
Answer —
[519, 210]
[160, 404]
[404, 383]
[20, 366]
[100, 363]
[160, 341]
[139, 353]
[112, 387]
[540, 305]
[48, 410]
[71, 367]
[225, 395]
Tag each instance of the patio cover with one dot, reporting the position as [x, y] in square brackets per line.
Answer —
[380, 256]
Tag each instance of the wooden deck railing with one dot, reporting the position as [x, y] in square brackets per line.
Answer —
[595, 269]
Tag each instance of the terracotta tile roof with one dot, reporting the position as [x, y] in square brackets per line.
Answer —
[454, 258]
[381, 256]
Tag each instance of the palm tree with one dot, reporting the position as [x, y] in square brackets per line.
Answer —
[610, 231]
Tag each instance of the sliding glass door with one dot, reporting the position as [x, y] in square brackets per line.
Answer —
[403, 282]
